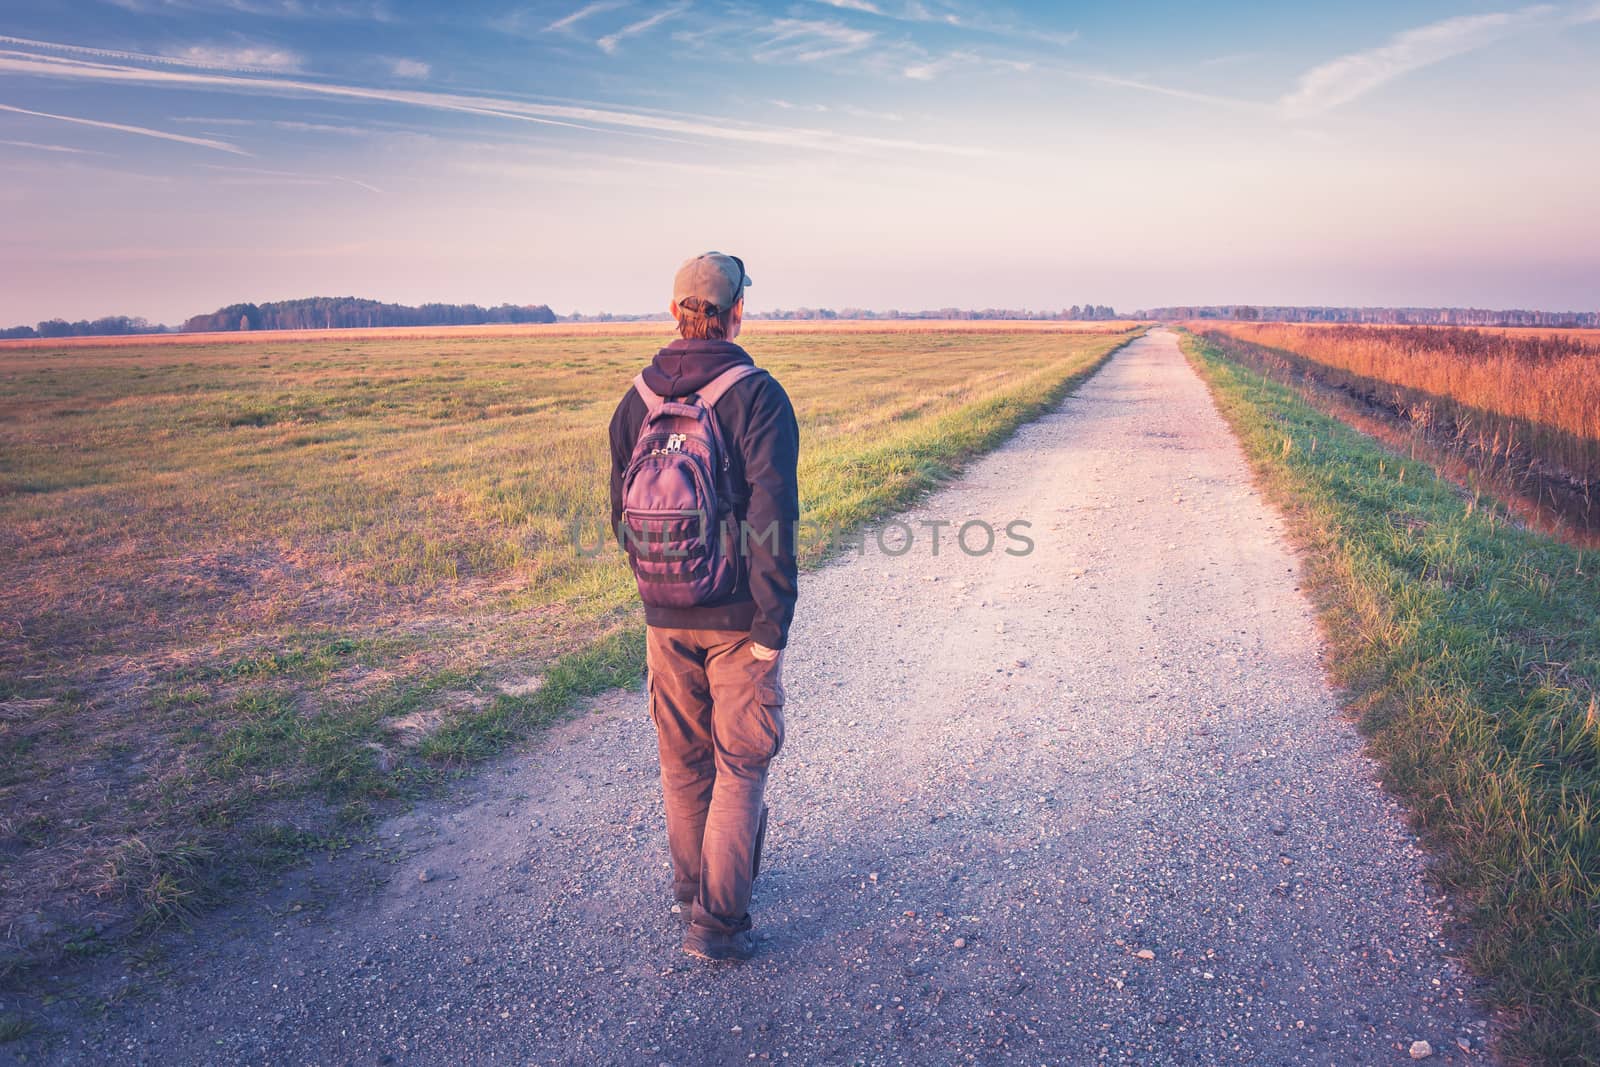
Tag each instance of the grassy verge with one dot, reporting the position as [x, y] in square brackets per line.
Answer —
[263, 698]
[1470, 648]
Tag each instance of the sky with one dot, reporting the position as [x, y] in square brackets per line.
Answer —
[166, 157]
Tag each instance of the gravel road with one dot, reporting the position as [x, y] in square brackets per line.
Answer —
[1093, 803]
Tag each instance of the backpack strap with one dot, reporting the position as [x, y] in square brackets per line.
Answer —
[713, 390]
[709, 393]
[648, 395]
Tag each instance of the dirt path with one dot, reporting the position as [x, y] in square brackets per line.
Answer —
[1007, 778]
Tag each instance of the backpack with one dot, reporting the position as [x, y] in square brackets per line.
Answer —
[678, 525]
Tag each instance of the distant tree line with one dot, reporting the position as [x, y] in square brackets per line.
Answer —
[110, 326]
[312, 313]
[1098, 312]
[322, 312]
[1379, 316]
[345, 312]
[611, 316]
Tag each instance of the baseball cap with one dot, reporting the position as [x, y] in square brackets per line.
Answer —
[716, 280]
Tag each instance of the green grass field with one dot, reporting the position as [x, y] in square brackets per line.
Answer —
[1471, 649]
[251, 589]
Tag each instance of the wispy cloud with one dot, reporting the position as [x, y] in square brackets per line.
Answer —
[1229, 59]
[593, 118]
[567, 22]
[1348, 77]
[399, 131]
[321, 127]
[929, 68]
[244, 59]
[289, 177]
[154, 253]
[285, 9]
[201, 142]
[49, 147]
[241, 58]
[919, 12]
[54, 168]
[592, 168]
[608, 43]
[808, 40]
[414, 69]
[867, 113]
[843, 109]
[974, 20]
[922, 66]
[1117, 81]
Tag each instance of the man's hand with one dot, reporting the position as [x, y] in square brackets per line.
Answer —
[762, 652]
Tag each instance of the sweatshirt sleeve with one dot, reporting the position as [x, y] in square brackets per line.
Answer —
[624, 432]
[771, 449]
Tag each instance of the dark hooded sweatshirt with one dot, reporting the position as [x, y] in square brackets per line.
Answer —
[759, 429]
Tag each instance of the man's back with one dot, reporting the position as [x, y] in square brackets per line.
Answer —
[763, 443]
[716, 665]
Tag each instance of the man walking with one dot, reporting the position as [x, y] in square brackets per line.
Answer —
[704, 500]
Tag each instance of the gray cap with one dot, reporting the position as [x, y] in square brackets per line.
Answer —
[716, 280]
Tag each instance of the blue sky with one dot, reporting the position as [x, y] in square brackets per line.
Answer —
[164, 157]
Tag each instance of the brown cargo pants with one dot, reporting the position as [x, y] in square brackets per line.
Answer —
[719, 721]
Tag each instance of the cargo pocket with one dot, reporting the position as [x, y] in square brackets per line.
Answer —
[769, 682]
[769, 701]
[750, 731]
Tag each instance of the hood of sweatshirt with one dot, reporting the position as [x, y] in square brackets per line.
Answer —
[686, 365]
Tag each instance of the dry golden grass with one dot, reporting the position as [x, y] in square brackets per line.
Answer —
[1591, 337]
[1534, 392]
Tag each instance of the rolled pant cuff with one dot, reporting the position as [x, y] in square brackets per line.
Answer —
[707, 921]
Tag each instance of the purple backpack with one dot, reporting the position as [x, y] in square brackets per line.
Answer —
[678, 525]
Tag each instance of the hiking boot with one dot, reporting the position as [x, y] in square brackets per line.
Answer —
[709, 945]
[683, 910]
